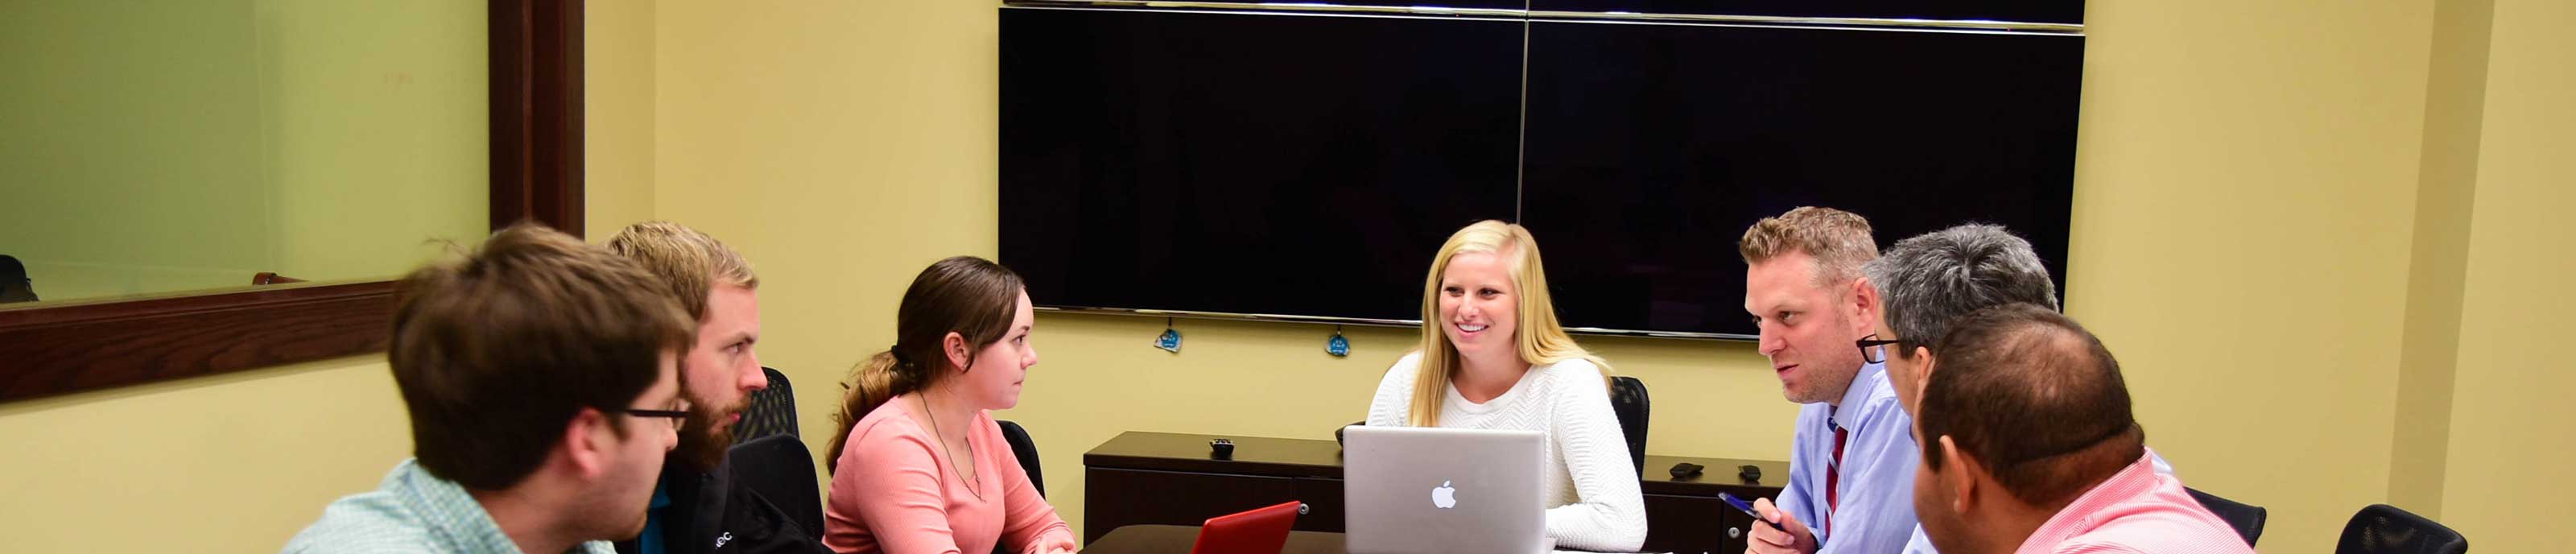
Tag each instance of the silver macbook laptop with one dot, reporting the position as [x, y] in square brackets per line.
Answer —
[1418, 489]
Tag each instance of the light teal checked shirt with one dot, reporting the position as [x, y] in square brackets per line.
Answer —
[411, 511]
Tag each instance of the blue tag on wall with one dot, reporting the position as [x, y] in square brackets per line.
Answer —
[1337, 346]
[1170, 341]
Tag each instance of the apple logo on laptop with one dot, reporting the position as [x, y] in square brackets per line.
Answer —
[1444, 497]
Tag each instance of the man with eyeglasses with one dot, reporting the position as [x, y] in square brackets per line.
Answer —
[1851, 457]
[542, 380]
[2029, 445]
[1928, 281]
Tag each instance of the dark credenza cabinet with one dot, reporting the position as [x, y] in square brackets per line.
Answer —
[1171, 479]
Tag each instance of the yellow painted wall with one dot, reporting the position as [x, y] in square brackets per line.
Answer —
[618, 136]
[232, 463]
[2245, 181]
[2455, 96]
[2513, 431]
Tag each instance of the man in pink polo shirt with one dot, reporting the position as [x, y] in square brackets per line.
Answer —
[2029, 446]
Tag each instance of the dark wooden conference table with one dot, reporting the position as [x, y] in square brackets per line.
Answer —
[1151, 481]
[1169, 539]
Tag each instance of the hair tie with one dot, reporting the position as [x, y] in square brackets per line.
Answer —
[897, 354]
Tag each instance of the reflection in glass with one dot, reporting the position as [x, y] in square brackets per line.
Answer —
[165, 146]
[14, 285]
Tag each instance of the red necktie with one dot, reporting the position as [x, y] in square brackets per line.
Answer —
[1833, 477]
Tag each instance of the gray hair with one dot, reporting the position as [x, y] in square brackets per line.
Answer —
[1927, 282]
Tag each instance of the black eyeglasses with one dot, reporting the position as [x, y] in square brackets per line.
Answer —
[1869, 351]
[678, 417]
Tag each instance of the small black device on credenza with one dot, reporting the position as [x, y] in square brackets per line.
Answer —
[1265, 163]
[1686, 470]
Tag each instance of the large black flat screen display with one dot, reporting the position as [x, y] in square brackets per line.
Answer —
[1249, 163]
[1653, 147]
[1310, 165]
[2018, 11]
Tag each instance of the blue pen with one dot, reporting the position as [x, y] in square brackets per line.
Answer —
[1740, 504]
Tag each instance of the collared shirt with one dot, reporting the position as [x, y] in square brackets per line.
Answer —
[411, 511]
[1922, 544]
[2136, 510]
[1874, 508]
[656, 517]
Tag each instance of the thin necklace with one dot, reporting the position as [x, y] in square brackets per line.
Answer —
[943, 446]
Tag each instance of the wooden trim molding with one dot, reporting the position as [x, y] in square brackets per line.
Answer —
[536, 107]
[537, 113]
[112, 344]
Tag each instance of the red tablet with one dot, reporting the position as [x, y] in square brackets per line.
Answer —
[1259, 531]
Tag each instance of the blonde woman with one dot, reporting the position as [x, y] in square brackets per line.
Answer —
[1494, 357]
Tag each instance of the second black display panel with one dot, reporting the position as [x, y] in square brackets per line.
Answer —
[1651, 147]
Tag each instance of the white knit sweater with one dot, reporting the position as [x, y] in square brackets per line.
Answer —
[1591, 486]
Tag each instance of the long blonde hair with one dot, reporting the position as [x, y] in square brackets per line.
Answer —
[1540, 339]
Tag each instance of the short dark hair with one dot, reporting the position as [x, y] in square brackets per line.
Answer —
[1929, 280]
[495, 353]
[11, 271]
[2035, 398]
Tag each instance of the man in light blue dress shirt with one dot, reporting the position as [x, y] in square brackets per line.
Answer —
[541, 376]
[1852, 457]
[1928, 281]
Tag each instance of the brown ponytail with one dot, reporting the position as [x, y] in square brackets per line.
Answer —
[972, 297]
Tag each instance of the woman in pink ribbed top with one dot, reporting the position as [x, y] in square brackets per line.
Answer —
[920, 466]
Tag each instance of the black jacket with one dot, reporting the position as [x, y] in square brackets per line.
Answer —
[711, 512]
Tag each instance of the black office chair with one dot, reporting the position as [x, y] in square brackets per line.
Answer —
[2385, 529]
[1628, 400]
[2246, 518]
[1026, 450]
[772, 411]
[781, 470]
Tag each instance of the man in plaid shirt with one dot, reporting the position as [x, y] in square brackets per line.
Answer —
[541, 376]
